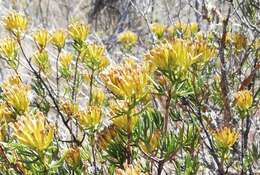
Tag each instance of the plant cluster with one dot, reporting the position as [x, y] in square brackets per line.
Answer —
[166, 109]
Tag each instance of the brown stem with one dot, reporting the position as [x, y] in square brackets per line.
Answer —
[94, 153]
[224, 82]
[167, 108]
[160, 167]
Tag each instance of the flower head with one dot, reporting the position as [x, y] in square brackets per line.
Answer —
[185, 30]
[129, 170]
[65, 59]
[172, 56]
[179, 55]
[243, 99]
[41, 59]
[5, 113]
[203, 51]
[90, 117]
[69, 108]
[158, 29]
[16, 94]
[127, 81]
[15, 23]
[226, 137]
[2, 134]
[93, 56]
[8, 48]
[106, 136]
[127, 38]
[58, 38]
[41, 37]
[98, 97]
[240, 41]
[12, 81]
[34, 131]
[72, 157]
[78, 31]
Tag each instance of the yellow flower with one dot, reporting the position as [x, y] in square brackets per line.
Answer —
[78, 31]
[128, 38]
[12, 81]
[128, 80]
[89, 118]
[118, 115]
[2, 134]
[65, 59]
[203, 51]
[86, 76]
[98, 97]
[129, 170]
[200, 36]
[106, 136]
[187, 30]
[69, 108]
[58, 38]
[179, 55]
[41, 37]
[153, 142]
[226, 137]
[174, 56]
[34, 131]
[240, 41]
[18, 99]
[93, 56]
[8, 48]
[16, 94]
[15, 23]
[41, 59]
[158, 29]
[72, 157]
[244, 99]
[5, 113]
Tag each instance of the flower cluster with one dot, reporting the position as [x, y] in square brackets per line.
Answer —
[127, 38]
[243, 99]
[127, 81]
[90, 117]
[93, 56]
[78, 31]
[16, 94]
[226, 137]
[179, 55]
[129, 170]
[15, 23]
[34, 131]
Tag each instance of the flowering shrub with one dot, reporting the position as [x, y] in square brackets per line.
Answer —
[172, 108]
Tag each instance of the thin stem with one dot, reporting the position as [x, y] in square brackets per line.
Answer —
[91, 85]
[94, 153]
[57, 74]
[74, 96]
[242, 146]
[129, 138]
